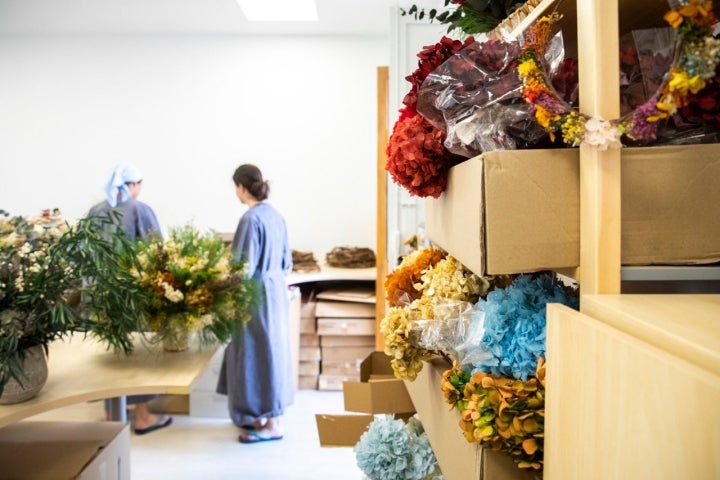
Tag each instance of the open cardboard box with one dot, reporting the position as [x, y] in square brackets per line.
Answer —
[63, 450]
[518, 211]
[377, 392]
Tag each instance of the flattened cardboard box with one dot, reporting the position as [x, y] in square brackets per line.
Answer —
[341, 430]
[345, 326]
[356, 294]
[519, 210]
[458, 458]
[332, 309]
[60, 450]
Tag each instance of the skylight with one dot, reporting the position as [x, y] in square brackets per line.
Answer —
[279, 10]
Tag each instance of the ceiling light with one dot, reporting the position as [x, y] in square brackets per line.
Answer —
[279, 10]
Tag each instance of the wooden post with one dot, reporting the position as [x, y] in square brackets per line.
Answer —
[600, 235]
[381, 254]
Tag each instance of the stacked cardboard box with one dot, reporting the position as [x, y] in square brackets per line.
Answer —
[376, 392]
[309, 354]
[346, 331]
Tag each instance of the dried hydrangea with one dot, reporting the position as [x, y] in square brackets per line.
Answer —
[503, 414]
[392, 450]
[400, 285]
[450, 279]
[515, 323]
[406, 360]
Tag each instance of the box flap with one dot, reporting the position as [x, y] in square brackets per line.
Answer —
[341, 430]
[384, 396]
[354, 294]
[377, 363]
[52, 450]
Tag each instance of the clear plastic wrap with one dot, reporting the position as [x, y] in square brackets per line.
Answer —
[456, 331]
[475, 97]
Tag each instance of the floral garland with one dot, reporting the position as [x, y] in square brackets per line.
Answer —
[503, 414]
[393, 450]
[699, 54]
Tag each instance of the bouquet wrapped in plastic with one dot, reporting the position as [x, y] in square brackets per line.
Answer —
[475, 97]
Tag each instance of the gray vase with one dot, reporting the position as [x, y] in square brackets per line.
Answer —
[36, 372]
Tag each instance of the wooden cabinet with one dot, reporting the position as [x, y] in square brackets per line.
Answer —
[633, 385]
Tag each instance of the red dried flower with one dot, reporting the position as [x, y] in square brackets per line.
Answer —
[431, 57]
[703, 107]
[417, 159]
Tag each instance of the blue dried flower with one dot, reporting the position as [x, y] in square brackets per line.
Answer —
[515, 324]
[392, 450]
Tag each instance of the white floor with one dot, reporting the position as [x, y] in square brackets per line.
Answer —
[208, 448]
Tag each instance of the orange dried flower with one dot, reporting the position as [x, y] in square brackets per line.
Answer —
[400, 285]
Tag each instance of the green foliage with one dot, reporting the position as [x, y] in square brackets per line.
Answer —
[469, 16]
[56, 279]
[190, 282]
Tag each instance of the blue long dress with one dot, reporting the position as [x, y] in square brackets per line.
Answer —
[256, 372]
[138, 221]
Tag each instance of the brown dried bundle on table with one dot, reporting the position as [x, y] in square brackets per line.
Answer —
[304, 262]
[351, 257]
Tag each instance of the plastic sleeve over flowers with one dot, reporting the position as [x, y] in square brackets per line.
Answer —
[476, 98]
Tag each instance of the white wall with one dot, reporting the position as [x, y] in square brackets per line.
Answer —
[187, 110]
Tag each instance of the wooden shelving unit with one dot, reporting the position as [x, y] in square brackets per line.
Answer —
[619, 367]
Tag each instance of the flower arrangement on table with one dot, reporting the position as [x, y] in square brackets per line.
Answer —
[390, 449]
[699, 55]
[192, 286]
[45, 264]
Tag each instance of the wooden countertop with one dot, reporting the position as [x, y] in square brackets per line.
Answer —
[687, 326]
[82, 369]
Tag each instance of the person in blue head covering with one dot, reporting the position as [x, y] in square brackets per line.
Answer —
[121, 192]
[137, 221]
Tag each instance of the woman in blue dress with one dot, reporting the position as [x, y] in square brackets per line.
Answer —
[256, 372]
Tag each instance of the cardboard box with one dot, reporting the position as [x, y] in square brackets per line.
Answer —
[346, 354]
[345, 326]
[333, 309]
[335, 382]
[308, 382]
[341, 430]
[307, 309]
[519, 211]
[347, 341]
[339, 367]
[458, 458]
[309, 340]
[307, 325]
[309, 369]
[179, 404]
[309, 354]
[378, 391]
[63, 450]
[355, 294]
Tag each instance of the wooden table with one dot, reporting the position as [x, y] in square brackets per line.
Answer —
[81, 369]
